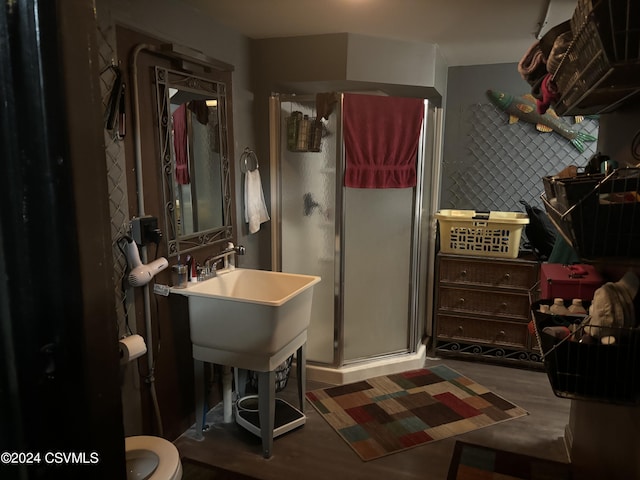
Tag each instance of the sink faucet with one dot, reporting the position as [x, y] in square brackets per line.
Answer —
[227, 256]
[210, 266]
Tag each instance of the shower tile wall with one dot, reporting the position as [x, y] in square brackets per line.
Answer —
[119, 214]
[116, 168]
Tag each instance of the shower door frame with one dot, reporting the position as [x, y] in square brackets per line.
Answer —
[414, 335]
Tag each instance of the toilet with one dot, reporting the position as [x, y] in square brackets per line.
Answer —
[152, 458]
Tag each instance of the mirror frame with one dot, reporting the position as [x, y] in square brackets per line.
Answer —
[166, 78]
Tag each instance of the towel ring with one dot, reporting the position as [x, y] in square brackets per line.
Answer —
[248, 161]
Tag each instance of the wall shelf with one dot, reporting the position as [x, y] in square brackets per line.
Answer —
[600, 71]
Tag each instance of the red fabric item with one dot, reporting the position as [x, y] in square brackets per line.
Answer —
[550, 94]
[459, 406]
[180, 145]
[563, 281]
[381, 136]
[416, 438]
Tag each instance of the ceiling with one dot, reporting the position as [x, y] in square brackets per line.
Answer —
[468, 32]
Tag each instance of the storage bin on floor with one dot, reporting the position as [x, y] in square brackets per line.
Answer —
[282, 373]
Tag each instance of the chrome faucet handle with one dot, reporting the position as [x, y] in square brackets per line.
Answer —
[210, 266]
[237, 249]
[214, 263]
[213, 270]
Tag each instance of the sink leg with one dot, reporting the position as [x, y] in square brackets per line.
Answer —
[301, 368]
[267, 409]
[227, 389]
[198, 376]
[241, 375]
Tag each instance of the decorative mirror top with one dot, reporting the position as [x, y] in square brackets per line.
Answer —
[192, 126]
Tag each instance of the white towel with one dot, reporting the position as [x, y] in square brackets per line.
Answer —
[255, 210]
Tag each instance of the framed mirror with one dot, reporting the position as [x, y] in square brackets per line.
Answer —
[192, 126]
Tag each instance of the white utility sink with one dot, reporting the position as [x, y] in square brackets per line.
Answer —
[254, 320]
[246, 317]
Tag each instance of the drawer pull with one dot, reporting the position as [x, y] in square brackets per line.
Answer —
[463, 273]
[503, 305]
[461, 301]
[501, 333]
[507, 276]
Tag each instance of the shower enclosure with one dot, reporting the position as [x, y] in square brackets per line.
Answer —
[373, 248]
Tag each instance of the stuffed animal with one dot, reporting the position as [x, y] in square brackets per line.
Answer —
[612, 308]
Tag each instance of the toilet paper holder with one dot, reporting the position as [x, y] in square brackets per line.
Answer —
[131, 347]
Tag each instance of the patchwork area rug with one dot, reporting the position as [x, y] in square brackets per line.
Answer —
[474, 462]
[388, 414]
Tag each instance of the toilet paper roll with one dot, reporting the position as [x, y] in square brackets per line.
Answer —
[132, 347]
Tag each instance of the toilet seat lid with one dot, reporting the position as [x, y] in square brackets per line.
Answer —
[169, 459]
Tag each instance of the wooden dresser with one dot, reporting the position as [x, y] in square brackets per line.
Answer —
[482, 308]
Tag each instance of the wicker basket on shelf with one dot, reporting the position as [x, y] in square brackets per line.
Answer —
[608, 373]
[596, 214]
[601, 67]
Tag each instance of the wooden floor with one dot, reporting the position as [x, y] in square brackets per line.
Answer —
[315, 451]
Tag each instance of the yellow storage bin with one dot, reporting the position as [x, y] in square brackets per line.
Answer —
[487, 234]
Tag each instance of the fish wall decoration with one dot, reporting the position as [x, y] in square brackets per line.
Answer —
[524, 108]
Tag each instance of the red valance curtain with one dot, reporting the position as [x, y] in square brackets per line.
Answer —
[381, 136]
[180, 145]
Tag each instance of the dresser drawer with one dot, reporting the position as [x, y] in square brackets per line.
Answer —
[484, 302]
[494, 332]
[517, 274]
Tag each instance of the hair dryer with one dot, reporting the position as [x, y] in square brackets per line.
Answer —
[141, 274]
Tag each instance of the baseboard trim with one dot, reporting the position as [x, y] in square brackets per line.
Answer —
[365, 370]
[568, 440]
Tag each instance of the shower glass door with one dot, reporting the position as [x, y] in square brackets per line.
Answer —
[377, 268]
